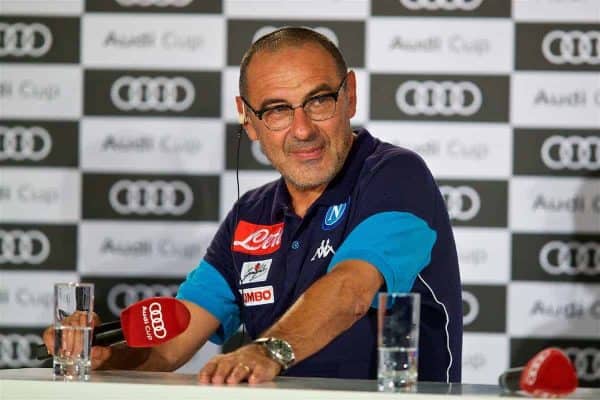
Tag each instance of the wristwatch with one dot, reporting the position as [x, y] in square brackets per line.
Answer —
[279, 350]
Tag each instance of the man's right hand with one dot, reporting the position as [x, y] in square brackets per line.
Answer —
[98, 355]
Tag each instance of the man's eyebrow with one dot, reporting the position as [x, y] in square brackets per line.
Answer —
[320, 88]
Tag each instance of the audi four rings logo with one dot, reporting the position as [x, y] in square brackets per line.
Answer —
[570, 258]
[156, 320]
[435, 98]
[473, 307]
[572, 47]
[159, 93]
[123, 295]
[23, 247]
[15, 350]
[151, 197]
[327, 32]
[462, 202]
[586, 362]
[572, 152]
[157, 3]
[466, 5]
[20, 39]
[19, 143]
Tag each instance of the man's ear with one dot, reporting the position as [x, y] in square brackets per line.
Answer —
[351, 94]
[244, 119]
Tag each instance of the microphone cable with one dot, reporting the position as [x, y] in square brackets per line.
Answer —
[236, 220]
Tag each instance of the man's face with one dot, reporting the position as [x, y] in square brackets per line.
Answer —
[308, 153]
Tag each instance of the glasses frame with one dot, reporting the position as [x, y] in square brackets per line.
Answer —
[335, 95]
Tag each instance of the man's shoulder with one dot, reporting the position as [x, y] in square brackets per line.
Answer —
[388, 157]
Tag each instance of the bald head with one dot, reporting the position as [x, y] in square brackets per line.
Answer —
[289, 37]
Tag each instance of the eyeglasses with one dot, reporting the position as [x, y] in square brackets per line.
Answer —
[317, 108]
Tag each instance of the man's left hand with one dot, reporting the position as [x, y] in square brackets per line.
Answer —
[249, 363]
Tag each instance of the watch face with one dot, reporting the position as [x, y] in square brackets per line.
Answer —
[281, 350]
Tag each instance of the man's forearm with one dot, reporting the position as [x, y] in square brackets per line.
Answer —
[329, 307]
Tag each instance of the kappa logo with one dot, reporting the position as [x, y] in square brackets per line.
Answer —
[463, 202]
[257, 240]
[258, 296]
[327, 32]
[150, 197]
[573, 47]
[571, 152]
[255, 271]
[323, 250]
[159, 93]
[333, 216]
[439, 98]
[156, 3]
[16, 350]
[570, 258]
[448, 5]
[19, 143]
[20, 39]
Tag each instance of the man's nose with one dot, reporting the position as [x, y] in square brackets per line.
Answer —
[302, 126]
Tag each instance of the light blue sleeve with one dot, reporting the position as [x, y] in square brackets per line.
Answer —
[206, 287]
[397, 243]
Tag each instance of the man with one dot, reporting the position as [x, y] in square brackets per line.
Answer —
[299, 261]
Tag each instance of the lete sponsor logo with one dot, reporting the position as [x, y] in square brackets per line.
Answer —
[257, 240]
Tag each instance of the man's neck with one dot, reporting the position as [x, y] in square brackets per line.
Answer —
[302, 199]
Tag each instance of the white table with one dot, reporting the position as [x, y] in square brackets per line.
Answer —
[38, 383]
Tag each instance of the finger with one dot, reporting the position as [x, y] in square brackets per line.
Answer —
[78, 336]
[48, 338]
[264, 373]
[99, 355]
[223, 370]
[206, 373]
[240, 372]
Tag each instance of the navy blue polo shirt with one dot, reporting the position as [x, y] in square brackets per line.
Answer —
[383, 207]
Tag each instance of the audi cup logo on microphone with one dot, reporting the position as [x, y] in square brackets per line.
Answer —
[448, 5]
[144, 197]
[23, 247]
[571, 152]
[570, 258]
[20, 143]
[154, 325]
[572, 47]
[152, 93]
[21, 40]
[445, 98]
[463, 202]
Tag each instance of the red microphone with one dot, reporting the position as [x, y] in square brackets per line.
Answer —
[146, 323]
[549, 373]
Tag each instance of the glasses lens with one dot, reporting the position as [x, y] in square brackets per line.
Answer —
[320, 108]
[278, 118]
